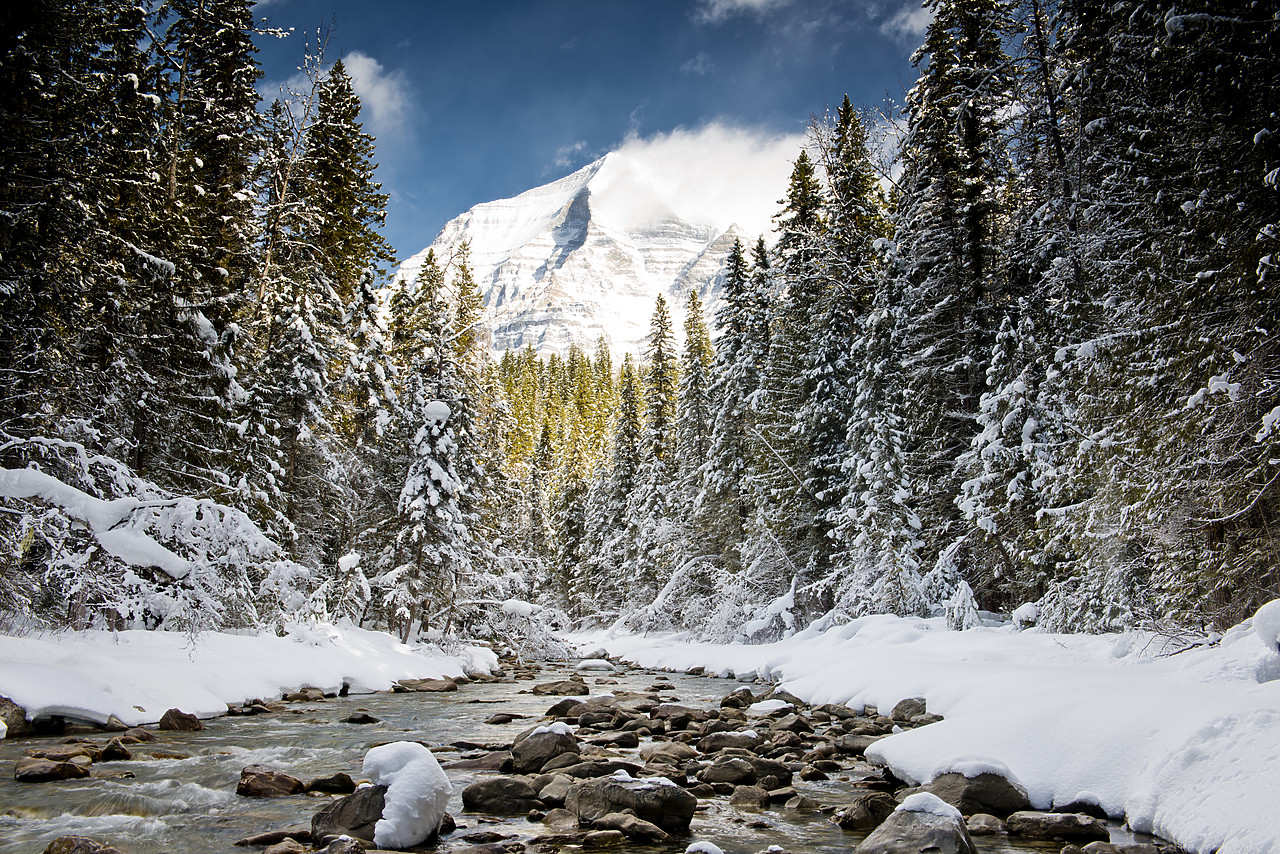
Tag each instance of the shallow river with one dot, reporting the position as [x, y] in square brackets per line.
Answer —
[182, 798]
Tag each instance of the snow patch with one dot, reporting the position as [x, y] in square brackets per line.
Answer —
[559, 728]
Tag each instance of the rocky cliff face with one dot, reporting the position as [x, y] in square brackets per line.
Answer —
[582, 257]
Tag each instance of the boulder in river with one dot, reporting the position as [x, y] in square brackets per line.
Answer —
[631, 827]
[655, 800]
[288, 845]
[568, 687]
[535, 750]
[500, 796]
[1072, 827]
[334, 784]
[986, 792]
[355, 815]
[79, 845]
[14, 718]
[179, 721]
[865, 812]
[259, 781]
[430, 686]
[361, 718]
[923, 822]
[907, 709]
[29, 769]
[721, 740]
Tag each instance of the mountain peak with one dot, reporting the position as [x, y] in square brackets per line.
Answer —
[583, 256]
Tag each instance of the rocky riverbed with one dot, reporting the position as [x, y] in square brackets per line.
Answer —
[541, 759]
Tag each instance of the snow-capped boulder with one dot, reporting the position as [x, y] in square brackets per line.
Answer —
[595, 665]
[417, 793]
[923, 822]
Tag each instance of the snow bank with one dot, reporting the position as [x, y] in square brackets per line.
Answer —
[1185, 746]
[138, 675]
[417, 793]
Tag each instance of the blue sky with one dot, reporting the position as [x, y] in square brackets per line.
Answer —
[482, 99]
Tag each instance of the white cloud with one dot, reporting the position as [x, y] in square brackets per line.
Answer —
[718, 175]
[908, 23]
[567, 155]
[702, 65]
[384, 94]
[718, 10]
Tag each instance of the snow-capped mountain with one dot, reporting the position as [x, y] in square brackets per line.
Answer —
[582, 257]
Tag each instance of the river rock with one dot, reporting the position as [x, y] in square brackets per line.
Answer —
[593, 767]
[987, 792]
[361, 718]
[1072, 827]
[288, 845]
[983, 824]
[865, 812]
[632, 827]
[429, 686]
[673, 752]
[355, 815]
[304, 695]
[179, 721]
[535, 750]
[65, 752]
[734, 771]
[298, 832]
[856, 744]
[907, 709]
[500, 796]
[739, 699]
[494, 760]
[15, 718]
[334, 784]
[720, 740]
[568, 687]
[922, 823]
[749, 797]
[79, 845]
[343, 845]
[259, 781]
[503, 718]
[138, 734]
[29, 769]
[566, 708]
[1123, 848]
[662, 803]
[114, 751]
[554, 793]
[603, 839]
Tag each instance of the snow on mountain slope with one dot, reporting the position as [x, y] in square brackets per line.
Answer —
[582, 257]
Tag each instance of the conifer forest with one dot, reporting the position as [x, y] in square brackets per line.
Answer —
[1014, 340]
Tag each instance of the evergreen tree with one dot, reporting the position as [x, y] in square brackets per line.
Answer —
[946, 230]
[695, 406]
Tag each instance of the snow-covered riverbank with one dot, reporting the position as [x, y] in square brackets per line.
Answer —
[138, 675]
[1186, 746]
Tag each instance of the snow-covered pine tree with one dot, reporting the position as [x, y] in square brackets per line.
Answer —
[654, 538]
[724, 503]
[432, 556]
[695, 408]
[946, 229]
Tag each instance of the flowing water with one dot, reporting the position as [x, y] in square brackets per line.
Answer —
[181, 798]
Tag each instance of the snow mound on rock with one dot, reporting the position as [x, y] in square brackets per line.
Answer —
[417, 793]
